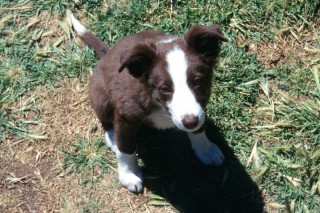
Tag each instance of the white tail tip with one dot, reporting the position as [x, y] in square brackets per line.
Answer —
[79, 28]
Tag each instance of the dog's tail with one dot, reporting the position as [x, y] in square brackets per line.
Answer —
[88, 38]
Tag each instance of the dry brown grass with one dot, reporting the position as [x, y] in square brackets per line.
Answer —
[288, 46]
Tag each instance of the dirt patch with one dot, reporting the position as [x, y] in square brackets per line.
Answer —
[290, 47]
[67, 112]
[10, 179]
[23, 186]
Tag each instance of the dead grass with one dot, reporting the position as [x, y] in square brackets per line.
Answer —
[289, 48]
[66, 108]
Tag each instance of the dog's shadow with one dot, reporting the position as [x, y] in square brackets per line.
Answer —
[172, 171]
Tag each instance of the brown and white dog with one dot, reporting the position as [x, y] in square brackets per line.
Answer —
[156, 79]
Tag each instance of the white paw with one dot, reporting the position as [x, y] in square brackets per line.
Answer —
[210, 155]
[206, 151]
[132, 180]
[130, 175]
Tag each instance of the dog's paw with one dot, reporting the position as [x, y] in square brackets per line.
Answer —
[210, 155]
[132, 180]
[130, 175]
[207, 151]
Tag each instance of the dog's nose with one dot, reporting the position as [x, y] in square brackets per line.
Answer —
[190, 121]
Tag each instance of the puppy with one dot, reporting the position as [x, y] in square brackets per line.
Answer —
[155, 79]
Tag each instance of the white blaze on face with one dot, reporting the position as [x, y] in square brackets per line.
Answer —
[183, 102]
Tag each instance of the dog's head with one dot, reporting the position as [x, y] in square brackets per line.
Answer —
[178, 72]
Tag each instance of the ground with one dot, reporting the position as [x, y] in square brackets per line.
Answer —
[264, 111]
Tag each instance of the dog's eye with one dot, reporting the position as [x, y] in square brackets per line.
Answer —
[165, 90]
[197, 82]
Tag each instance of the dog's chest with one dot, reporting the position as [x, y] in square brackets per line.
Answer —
[160, 119]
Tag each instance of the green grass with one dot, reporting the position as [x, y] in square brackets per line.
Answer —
[88, 161]
[247, 102]
[85, 156]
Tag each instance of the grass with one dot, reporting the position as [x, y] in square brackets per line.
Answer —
[87, 156]
[265, 98]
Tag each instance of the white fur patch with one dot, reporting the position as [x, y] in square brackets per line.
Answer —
[79, 28]
[207, 151]
[183, 101]
[110, 140]
[161, 119]
[130, 175]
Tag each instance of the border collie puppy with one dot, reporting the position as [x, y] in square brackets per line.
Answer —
[155, 79]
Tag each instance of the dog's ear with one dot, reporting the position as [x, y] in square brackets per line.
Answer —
[205, 40]
[139, 60]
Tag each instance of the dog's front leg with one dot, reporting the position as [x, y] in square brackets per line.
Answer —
[207, 151]
[130, 175]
